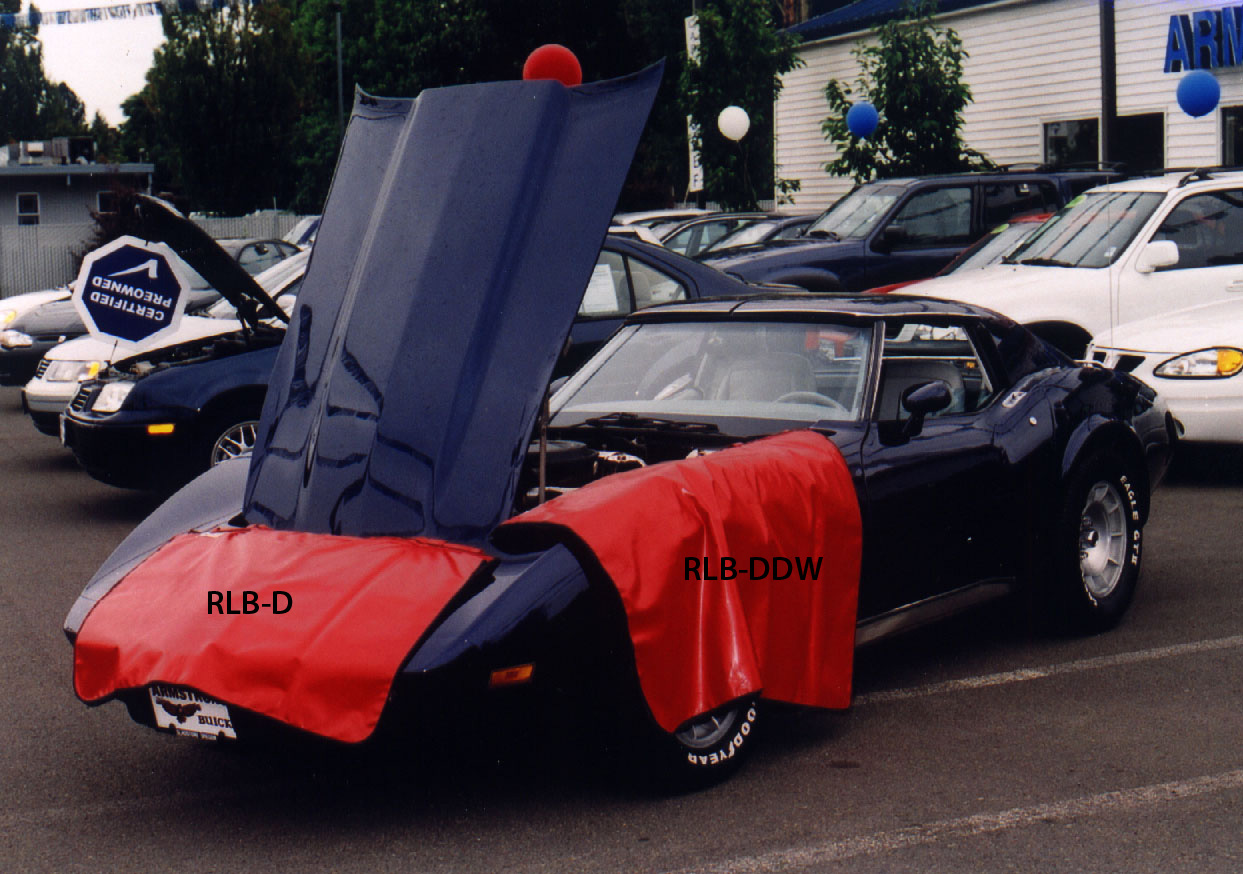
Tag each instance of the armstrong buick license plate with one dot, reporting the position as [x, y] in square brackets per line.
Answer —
[190, 713]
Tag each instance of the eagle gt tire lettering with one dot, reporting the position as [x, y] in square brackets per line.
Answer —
[1098, 546]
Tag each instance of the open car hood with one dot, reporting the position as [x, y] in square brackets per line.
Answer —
[459, 234]
[162, 222]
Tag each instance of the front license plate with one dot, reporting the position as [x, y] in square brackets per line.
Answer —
[191, 714]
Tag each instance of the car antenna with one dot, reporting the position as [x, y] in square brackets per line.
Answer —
[543, 449]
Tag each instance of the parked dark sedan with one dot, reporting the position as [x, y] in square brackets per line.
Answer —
[738, 481]
[28, 339]
[896, 230]
[158, 419]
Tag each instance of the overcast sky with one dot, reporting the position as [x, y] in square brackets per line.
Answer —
[103, 62]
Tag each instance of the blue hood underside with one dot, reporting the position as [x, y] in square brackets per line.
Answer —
[459, 234]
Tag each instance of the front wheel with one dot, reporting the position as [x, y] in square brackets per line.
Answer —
[706, 749]
[233, 441]
[1098, 546]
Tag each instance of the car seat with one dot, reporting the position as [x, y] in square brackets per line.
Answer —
[898, 375]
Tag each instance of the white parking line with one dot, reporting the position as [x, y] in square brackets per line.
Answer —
[1025, 674]
[799, 858]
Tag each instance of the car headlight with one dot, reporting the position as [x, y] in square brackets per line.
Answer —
[15, 339]
[72, 371]
[7, 316]
[112, 396]
[1216, 363]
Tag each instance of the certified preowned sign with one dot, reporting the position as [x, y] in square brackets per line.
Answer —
[132, 291]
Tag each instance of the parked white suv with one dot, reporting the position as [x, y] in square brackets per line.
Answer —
[1116, 254]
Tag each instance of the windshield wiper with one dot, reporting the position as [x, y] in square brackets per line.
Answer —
[1044, 262]
[649, 423]
[819, 232]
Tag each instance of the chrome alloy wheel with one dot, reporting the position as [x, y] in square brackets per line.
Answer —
[239, 440]
[707, 731]
[1102, 540]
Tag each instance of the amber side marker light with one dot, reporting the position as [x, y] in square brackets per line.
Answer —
[511, 676]
[159, 429]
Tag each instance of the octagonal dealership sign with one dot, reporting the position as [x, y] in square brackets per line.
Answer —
[131, 291]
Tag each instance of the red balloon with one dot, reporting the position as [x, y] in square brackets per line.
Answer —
[553, 61]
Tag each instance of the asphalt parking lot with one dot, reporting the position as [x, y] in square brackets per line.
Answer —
[980, 745]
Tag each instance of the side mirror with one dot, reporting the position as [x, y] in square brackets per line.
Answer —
[1157, 254]
[891, 236]
[923, 400]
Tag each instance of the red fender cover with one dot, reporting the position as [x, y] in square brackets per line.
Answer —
[359, 606]
[699, 644]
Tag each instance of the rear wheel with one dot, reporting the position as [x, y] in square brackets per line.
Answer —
[1097, 548]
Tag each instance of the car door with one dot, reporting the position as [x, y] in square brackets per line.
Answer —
[619, 285]
[932, 497]
[931, 227]
[1207, 227]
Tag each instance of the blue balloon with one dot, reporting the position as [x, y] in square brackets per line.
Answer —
[1198, 93]
[862, 119]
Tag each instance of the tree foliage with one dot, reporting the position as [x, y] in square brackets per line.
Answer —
[219, 109]
[31, 107]
[401, 47]
[912, 74]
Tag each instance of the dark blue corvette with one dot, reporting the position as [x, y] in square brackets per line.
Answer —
[443, 543]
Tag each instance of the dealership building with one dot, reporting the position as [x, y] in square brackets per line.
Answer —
[1052, 81]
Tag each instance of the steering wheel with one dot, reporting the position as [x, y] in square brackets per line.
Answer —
[811, 397]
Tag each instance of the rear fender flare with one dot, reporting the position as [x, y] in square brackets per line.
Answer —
[1099, 433]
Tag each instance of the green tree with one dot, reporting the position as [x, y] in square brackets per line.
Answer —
[31, 107]
[400, 47]
[912, 74]
[220, 106]
[742, 55]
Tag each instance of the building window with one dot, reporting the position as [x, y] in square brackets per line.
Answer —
[27, 209]
[1139, 141]
[1072, 142]
[1232, 136]
[106, 202]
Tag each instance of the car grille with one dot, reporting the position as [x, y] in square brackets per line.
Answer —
[42, 368]
[82, 398]
[1121, 363]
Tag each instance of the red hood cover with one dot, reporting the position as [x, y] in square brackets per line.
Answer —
[699, 644]
[359, 606]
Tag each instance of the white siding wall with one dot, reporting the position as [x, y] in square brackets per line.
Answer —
[1030, 62]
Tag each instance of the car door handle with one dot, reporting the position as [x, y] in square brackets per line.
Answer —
[1235, 285]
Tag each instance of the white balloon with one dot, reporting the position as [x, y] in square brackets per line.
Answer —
[733, 122]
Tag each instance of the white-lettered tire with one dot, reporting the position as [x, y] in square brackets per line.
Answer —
[706, 749]
[1098, 545]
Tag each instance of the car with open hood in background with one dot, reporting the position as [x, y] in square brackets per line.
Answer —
[157, 419]
[724, 471]
[65, 367]
[24, 343]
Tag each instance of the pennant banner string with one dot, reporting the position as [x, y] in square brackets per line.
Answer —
[118, 11]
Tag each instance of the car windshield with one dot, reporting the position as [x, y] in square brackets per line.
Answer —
[752, 233]
[994, 247]
[781, 371]
[856, 214]
[1091, 231]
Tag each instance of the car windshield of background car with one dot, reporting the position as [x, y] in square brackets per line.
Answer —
[994, 247]
[1091, 231]
[854, 216]
[752, 233]
[782, 371]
